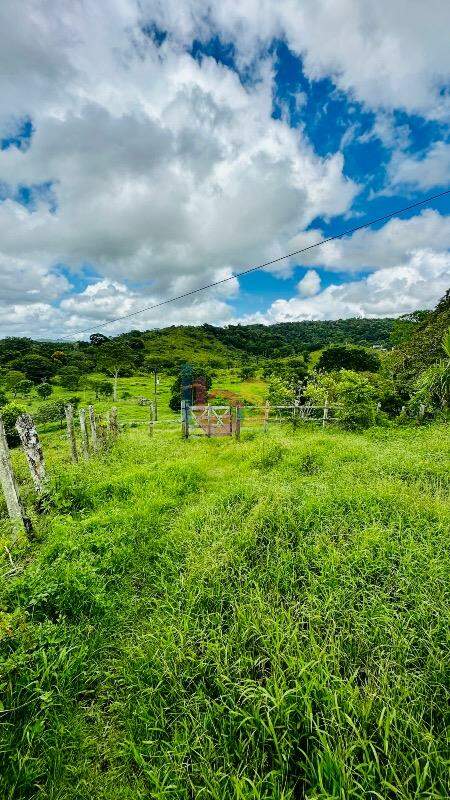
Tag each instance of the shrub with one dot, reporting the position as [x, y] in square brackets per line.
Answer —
[101, 388]
[44, 390]
[279, 393]
[10, 413]
[50, 412]
[69, 377]
[356, 408]
[24, 387]
[353, 394]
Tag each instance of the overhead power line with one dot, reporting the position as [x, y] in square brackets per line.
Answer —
[259, 266]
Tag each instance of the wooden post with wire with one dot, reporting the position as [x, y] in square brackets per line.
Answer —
[294, 415]
[151, 421]
[113, 425]
[266, 416]
[326, 408]
[84, 434]
[33, 451]
[93, 424]
[237, 430]
[184, 419]
[71, 433]
[7, 479]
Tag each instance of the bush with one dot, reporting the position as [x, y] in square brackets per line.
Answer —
[101, 388]
[356, 409]
[352, 393]
[69, 377]
[279, 394]
[44, 390]
[24, 387]
[10, 413]
[246, 373]
[50, 412]
[432, 388]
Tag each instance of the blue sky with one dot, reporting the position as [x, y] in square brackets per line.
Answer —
[160, 151]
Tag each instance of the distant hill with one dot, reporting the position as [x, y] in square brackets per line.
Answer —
[290, 338]
[167, 348]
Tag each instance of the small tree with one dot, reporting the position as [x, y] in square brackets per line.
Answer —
[36, 367]
[24, 387]
[246, 372]
[356, 397]
[352, 393]
[11, 380]
[69, 377]
[44, 390]
[101, 388]
[51, 412]
[279, 393]
[10, 414]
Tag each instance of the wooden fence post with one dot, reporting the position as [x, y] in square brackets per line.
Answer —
[93, 425]
[325, 411]
[209, 421]
[237, 430]
[84, 434]
[13, 503]
[151, 420]
[33, 450]
[421, 411]
[266, 416]
[113, 426]
[231, 421]
[185, 419]
[71, 433]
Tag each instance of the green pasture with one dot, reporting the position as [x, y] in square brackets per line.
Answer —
[259, 620]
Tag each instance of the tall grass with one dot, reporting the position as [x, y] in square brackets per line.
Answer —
[221, 619]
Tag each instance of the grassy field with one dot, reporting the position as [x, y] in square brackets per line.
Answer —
[226, 382]
[220, 619]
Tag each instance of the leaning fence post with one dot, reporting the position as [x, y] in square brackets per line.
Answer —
[71, 433]
[32, 447]
[325, 411]
[421, 411]
[84, 434]
[93, 425]
[237, 430]
[13, 503]
[113, 427]
[151, 419]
